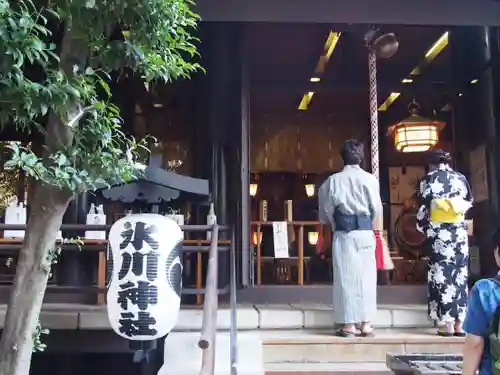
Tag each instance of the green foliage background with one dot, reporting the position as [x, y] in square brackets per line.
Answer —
[70, 91]
[58, 57]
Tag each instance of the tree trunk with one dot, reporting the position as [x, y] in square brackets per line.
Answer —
[46, 213]
[32, 273]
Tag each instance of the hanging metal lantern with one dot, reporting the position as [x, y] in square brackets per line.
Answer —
[256, 238]
[416, 133]
[253, 189]
[145, 276]
[254, 185]
[312, 238]
[310, 190]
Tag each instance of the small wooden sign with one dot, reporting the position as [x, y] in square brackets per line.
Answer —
[479, 174]
[289, 210]
[263, 210]
[280, 239]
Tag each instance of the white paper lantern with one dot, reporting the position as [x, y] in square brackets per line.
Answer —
[145, 276]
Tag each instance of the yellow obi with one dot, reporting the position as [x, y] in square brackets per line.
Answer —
[448, 210]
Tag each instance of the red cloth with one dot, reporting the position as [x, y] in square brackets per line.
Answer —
[321, 240]
[379, 251]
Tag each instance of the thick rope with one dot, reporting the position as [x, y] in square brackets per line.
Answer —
[372, 72]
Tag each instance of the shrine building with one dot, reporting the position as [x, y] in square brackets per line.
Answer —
[252, 139]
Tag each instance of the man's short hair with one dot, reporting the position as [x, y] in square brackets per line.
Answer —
[352, 152]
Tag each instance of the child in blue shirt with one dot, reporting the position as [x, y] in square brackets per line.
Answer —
[484, 298]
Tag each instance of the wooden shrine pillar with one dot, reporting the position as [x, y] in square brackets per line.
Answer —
[239, 163]
[217, 124]
[477, 127]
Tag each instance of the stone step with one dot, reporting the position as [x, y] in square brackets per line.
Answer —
[366, 368]
[292, 348]
[182, 355]
[250, 317]
[306, 316]
[304, 351]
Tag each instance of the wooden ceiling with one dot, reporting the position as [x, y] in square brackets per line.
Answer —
[282, 58]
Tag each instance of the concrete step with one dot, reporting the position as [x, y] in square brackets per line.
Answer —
[304, 351]
[250, 317]
[308, 316]
[366, 368]
[182, 355]
[288, 349]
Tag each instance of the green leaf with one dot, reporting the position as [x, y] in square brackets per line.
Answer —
[105, 86]
[44, 108]
[62, 160]
[52, 12]
[10, 164]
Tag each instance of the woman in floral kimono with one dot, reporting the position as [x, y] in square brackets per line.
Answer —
[445, 197]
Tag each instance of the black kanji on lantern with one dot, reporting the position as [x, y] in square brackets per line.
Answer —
[138, 235]
[131, 327]
[135, 259]
[141, 295]
[136, 262]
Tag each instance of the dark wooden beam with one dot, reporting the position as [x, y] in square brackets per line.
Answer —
[414, 12]
[419, 88]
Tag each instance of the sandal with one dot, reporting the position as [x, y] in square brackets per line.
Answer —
[366, 330]
[458, 329]
[443, 333]
[369, 333]
[445, 330]
[345, 334]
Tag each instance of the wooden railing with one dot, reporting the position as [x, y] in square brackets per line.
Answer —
[300, 261]
[406, 271]
[9, 248]
[233, 329]
[209, 323]
[211, 291]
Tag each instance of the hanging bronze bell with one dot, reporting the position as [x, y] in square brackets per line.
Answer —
[386, 46]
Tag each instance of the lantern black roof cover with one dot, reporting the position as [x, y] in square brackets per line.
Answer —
[156, 186]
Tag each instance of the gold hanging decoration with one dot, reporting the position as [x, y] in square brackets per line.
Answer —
[416, 133]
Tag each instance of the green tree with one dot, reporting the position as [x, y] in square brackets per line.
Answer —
[57, 57]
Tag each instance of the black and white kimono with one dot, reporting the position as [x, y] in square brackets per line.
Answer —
[448, 246]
